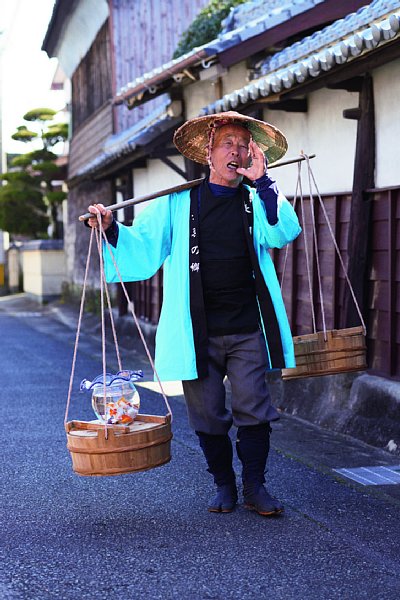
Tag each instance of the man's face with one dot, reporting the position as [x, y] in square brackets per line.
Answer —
[230, 151]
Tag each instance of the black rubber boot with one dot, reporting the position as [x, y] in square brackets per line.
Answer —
[252, 449]
[218, 453]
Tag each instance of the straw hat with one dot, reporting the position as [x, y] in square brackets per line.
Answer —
[192, 137]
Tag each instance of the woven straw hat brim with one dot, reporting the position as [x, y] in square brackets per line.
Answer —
[191, 139]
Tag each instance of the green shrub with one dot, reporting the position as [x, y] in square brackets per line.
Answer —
[28, 200]
[206, 26]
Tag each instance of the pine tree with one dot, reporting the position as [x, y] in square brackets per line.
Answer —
[28, 200]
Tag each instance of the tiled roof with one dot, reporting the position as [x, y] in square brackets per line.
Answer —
[346, 39]
[128, 141]
[269, 12]
[329, 35]
[343, 41]
[245, 21]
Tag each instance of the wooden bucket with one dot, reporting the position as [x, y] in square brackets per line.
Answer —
[138, 447]
[344, 350]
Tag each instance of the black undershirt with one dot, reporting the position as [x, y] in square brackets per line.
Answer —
[226, 270]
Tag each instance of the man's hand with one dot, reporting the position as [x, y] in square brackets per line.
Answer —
[106, 216]
[258, 163]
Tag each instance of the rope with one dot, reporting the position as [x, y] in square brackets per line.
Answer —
[103, 328]
[336, 245]
[287, 245]
[78, 330]
[131, 308]
[321, 296]
[104, 289]
[114, 332]
[306, 250]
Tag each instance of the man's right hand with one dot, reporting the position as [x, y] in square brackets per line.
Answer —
[106, 216]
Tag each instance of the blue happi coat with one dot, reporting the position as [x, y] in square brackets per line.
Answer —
[160, 236]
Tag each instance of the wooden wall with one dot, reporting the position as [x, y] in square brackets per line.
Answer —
[383, 285]
[383, 281]
[92, 80]
[145, 37]
[89, 138]
[302, 287]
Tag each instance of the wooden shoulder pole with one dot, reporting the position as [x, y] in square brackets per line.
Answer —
[181, 188]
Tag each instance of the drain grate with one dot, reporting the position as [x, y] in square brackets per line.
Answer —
[372, 475]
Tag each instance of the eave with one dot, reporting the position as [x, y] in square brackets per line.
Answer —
[318, 16]
[61, 10]
[156, 82]
[232, 47]
[129, 146]
[374, 44]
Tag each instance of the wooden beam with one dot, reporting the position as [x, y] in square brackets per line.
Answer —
[161, 152]
[295, 105]
[139, 163]
[352, 113]
[185, 186]
[359, 226]
[350, 85]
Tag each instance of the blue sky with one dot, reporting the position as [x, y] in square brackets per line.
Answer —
[26, 72]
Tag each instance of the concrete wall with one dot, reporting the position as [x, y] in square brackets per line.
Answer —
[44, 269]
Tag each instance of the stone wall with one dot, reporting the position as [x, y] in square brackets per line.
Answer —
[76, 238]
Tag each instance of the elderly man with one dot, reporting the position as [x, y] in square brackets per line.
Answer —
[223, 313]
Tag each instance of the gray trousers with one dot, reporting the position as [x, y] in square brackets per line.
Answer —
[243, 359]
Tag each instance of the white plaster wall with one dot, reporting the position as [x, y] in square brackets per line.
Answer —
[14, 268]
[2, 247]
[79, 31]
[322, 131]
[198, 95]
[386, 81]
[43, 272]
[31, 267]
[235, 78]
[156, 177]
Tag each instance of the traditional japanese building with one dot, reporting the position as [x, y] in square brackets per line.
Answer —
[326, 72]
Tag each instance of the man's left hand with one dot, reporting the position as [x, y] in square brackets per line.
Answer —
[258, 166]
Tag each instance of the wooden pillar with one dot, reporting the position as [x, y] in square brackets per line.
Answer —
[359, 226]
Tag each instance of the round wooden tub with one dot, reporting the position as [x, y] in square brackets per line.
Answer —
[144, 445]
[343, 350]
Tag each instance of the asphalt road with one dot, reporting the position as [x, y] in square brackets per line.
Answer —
[149, 535]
